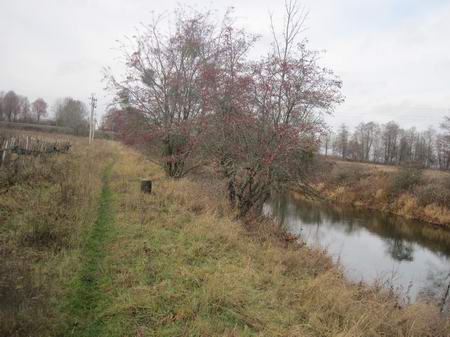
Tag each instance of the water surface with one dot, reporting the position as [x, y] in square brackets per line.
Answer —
[412, 257]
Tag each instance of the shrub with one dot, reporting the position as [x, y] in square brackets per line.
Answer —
[436, 192]
[346, 175]
[405, 180]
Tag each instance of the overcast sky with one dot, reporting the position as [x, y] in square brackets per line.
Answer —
[392, 55]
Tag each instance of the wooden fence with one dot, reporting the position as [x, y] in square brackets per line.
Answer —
[31, 146]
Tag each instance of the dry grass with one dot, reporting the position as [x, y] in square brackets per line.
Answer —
[424, 196]
[177, 263]
[45, 205]
[429, 173]
[181, 266]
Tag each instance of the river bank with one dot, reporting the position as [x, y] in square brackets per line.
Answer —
[176, 263]
[414, 194]
[376, 247]
[183, 266]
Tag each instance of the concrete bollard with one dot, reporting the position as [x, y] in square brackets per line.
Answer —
[146, 186]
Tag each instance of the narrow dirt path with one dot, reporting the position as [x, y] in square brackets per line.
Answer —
[87, 299]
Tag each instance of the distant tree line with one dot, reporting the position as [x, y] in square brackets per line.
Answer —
[390, 144]
[15, 108]
[68, 112]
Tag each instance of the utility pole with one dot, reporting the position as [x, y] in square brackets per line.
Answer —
[93, 103]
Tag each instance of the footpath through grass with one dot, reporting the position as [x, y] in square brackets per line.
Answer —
[88, 299]
[179, 265]
[48, 204]
[172, 263]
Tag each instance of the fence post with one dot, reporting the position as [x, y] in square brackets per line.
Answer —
[4, 150]
[146, 185]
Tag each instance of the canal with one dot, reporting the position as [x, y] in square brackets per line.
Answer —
[410, 257]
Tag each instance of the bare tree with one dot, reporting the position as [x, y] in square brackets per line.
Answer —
[73, 114]
[11, 105]
[24, 108]
[427, 157]
[392, 145]
[342, 139]
[365, 137]
[354, 148]
[443, 152]
[390, 135]
[39, 108]
[443, 144]
[326, 140]
[406, 145]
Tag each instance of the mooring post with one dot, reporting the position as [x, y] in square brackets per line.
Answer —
[146, 186]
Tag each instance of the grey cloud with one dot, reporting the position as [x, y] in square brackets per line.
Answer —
[394, 61]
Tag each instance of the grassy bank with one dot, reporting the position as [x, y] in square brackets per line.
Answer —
[181, 266]
[174, 263]
[421, 195]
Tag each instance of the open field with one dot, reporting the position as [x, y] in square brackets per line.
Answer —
[42, 129]
[93, 256]
[416, 194]
[428, 173]
[35, 127]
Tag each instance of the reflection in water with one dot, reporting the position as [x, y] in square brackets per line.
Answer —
[437, 288]
[400, 250]
[373, 246]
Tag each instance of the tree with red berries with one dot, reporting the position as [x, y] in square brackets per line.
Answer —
[193, 94]
[269, 136]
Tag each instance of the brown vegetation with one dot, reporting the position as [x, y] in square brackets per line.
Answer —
[46, 202]
[178, 264]
[183, 266]
[407, 191]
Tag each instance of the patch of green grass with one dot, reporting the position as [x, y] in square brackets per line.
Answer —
[88, 300]
[42, 217]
